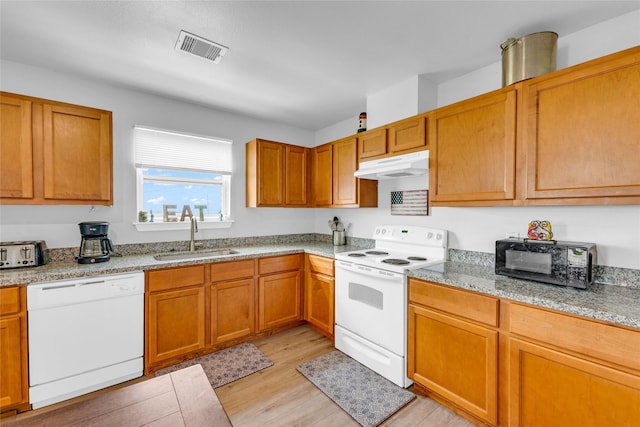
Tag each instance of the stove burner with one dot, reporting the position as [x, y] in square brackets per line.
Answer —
[396, 261]
[377, 253]
[356, 255]
[416, 258]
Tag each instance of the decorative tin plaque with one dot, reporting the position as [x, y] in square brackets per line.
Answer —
[413, 202]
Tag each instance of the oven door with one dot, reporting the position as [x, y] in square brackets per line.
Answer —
[371, 303]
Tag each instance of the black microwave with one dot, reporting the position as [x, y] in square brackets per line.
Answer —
[547, 261]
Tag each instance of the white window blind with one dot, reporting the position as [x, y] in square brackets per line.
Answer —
[164, 149]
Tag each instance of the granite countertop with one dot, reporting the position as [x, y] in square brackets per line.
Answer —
[59, 270]
[608, 303]
[615, 304]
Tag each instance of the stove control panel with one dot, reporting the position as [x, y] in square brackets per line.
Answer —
[411, 234]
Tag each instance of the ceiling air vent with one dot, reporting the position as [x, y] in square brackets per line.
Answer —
[198, 46]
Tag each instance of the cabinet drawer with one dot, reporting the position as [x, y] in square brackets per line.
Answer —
[180, 277]
[322, 265]
[472, 306]
[278, 263]
[589, 337]
[10, 300]
[232, 270]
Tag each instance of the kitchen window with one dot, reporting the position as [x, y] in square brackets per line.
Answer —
[181, 175]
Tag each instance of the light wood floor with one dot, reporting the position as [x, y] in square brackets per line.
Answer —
[281, 396]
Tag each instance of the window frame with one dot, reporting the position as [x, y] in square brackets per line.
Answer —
[224, 181]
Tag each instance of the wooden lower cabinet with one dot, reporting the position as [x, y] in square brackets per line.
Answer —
[450, 356]
[550, 388]
[566, 370]
[175, 323]
[319, 293]
[175, 313]
[14, 382]
[279, 291]
[279, 299]
[504, 363]
[198, 309]
[232, 310]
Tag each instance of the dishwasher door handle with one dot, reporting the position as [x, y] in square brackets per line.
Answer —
[53, 288]
[91, 283]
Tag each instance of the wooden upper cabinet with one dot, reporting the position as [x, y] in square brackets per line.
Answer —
[473, 150]
[265, 173]
[55, 153]
[322, 175]
[277, 174]
[407, 135]
[334, 183]
[404, 136]
[16, 160]
[77, 154]
[582, 132]
[345, 163]
[372, 143]
[296, 183]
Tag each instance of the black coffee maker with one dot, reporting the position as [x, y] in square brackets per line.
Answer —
[95, 245]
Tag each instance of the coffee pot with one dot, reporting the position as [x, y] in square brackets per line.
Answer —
[95, 245]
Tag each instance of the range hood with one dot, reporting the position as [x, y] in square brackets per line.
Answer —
[404, 165]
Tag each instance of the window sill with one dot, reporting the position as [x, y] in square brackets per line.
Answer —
[185, 225]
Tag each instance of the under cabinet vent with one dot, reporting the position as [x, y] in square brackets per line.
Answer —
[198, 46]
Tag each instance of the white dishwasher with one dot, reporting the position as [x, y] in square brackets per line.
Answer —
[84, 335]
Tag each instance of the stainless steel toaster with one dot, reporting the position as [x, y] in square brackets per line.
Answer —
[23, 254]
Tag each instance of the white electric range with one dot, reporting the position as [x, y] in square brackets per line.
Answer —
[371, 296]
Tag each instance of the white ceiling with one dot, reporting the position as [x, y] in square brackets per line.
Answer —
[306, 63]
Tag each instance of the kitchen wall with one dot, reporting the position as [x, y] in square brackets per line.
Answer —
[58, 225]
[616, 229]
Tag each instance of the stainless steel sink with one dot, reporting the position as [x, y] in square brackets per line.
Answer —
[204, 253]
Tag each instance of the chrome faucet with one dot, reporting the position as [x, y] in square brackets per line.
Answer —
[194, 229]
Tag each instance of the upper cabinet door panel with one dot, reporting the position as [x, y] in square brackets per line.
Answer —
[408, 135]
[582, 130]
[473, 149]
[322, 178]
[345, 163]
[296, 181]
[16, 160]
[372, 143]
[77, 154]
[270, 173]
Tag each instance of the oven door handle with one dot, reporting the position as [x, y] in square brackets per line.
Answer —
[369, 271]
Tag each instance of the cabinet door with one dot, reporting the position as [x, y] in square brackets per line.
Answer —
[77, 154]
[175, 324]
[408, 135]
[14, 380]
[16, 159]
[473, 150]
[296, 182]
[455, 359]
[279, 299]
[345, 163]
[232, 310]
[270, 173]
[11, 366]
[372, 144]
[549, 388]
[582, 131]
[322, 181]
[320, 301]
